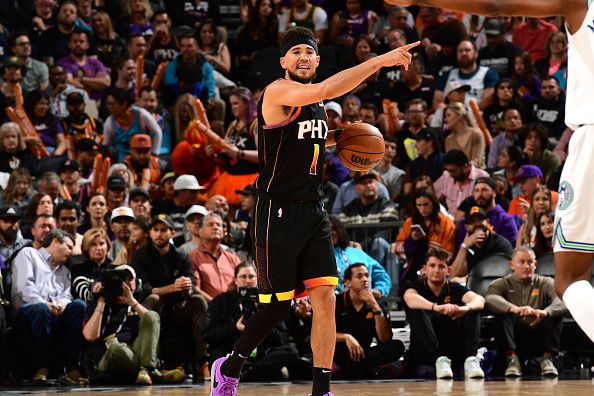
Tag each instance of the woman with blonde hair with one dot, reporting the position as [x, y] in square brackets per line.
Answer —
[110, 46]
[136, 18]
[95, 245]
[14, 152]
[18, 192]
[464, 136]
[184, 112]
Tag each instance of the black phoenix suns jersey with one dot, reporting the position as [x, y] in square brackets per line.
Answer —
[291, 154]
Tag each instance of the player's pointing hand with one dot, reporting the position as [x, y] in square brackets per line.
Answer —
[400, 56]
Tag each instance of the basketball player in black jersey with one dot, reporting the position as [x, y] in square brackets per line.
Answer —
[290, 232]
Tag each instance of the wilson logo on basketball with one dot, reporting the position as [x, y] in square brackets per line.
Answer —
[355, 159]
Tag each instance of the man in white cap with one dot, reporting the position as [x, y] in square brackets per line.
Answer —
[186, 188]
[334, 113]
[121, 225]
[194, 216]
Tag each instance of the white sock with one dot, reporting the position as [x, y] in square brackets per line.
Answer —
[579, 299]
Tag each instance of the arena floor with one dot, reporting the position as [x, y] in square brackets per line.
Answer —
[522, 387]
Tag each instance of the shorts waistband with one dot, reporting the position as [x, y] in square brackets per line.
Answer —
[266, 195]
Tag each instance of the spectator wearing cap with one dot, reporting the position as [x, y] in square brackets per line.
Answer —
[499, 53]
[139, 237]
[484, 196]
[121, 225]
[194, 217]
[121, 169]
[45, 313]
[479, 243]
[133, 355]
[457, 181]
[14, 152]
[512, 126]
[165, 190]
[213, 266]
[186, 189]
[429, 161]
[140, 161]
[248, 202]
[391, 176]
[86, 150]
[528, 315]
[348, 192]
[78, 123]
[125, 121]
[415, 119]
[59, 91]
[168, 287]
[36, 75]
[68, 217]
[10, 241]
[71, 180]
[12, 72]
[529, 177]
[536, 140]
[116, 192]
[139, 202]
[454, 92]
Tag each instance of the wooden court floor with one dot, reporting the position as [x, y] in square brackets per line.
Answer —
[413, 388]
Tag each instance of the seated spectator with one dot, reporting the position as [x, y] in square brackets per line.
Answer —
[302, 13]
[168, 288]
[532, 35]
[193, 12]
[415, 119]
[139, 200]
[193, 217]
[504, 98]
[148, 101]
[36, 76]
[528, 315]
[544, 234]
[499, 53]
[241, 160]
[96, 210]
[139, 236]
[45, 310]
[510, 161]
[121, 170]
[541, 202]
[429, 162]
[79, 124]
[121, 226]
[411, 84]
[126, 121]
[457, 181]
[356, 21]
[186, 189]
[86, 150]
[125, 72]
[530, 178]
[70, 178]
[525, 78]
[12, 73]
[509, 136]
[49, 183]
[427, 228]
[536, 141]
[550, 107]
[135, 46]
[48, 128]
[14, 152]
[216, 53]
[83, 71]
[52, 44]
[10, 241]
[361, 48]
[464, 136]
[86, 275]
[260, 31]
[351, 105]
[454, 92]
[479, 243]
[485, 197]
[397, 18]
[136, 336]
[379, 279]
[555, 58]
[116, 190]
[347, 193]
[110, 46]
[212, 266]
[19, 189]
[60, 89]
[135, 18]
[444, 321]
[67, 219]
[140, 159]
[162, 46]
[391, 176]
[359, 319]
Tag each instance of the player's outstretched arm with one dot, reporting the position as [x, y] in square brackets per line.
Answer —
[494, 8]
[293, 94]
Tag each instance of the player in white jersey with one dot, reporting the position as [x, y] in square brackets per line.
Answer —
[574, 223]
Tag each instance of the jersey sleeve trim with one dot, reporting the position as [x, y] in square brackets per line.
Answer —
[296, 113]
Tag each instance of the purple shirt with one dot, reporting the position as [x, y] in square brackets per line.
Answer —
[91, 68]
[503, 224]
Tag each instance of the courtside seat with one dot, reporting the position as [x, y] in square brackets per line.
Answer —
[546, 265]
[487, 271]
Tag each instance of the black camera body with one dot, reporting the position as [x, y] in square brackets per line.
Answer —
[112, 283]
[248, 297]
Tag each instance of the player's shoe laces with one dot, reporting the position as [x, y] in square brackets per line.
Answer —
[221, 385]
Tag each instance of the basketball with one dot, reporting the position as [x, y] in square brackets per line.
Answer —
[360, 146]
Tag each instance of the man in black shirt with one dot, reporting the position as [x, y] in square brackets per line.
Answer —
[429, 161]
[499, 53]
[444, 321]
[168, 287]
[359, 319]
[550, 108]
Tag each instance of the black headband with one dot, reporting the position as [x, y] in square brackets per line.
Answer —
[287, 45]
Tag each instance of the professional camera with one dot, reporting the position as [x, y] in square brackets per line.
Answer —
[112, 283]
[248, 297]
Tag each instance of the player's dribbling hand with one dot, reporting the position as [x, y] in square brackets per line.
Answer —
[400, 56]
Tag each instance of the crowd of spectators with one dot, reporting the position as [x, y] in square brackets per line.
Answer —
[124, 231]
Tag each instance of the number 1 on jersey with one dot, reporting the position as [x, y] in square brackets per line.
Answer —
[314, 162]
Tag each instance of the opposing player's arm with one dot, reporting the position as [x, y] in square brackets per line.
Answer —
[573, 10]
[293, 94]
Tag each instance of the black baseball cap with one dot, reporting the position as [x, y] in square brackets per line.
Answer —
[75, 98]
[360, 176]
[116, 182]
[71, 165]
[139, 191]
[427, 134]
[86, 144]
[162, 218]
[487, 180]
[8, 212]
[247, 190]
[475, 211]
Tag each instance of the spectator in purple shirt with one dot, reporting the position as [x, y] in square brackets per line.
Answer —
[485, 191]
[82, 71]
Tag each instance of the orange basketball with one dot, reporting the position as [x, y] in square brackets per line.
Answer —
[360, 146]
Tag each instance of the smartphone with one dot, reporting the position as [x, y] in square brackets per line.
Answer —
[418, 228]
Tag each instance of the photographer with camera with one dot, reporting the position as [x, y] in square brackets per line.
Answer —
[95, 245]
[225, 321]
[124, 335]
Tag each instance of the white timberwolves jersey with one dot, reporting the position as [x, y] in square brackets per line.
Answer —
[580, 74]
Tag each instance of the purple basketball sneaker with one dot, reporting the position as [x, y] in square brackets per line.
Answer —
[221, 385]
[326, 394]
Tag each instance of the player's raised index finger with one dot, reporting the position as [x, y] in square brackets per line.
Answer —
[411, 45]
